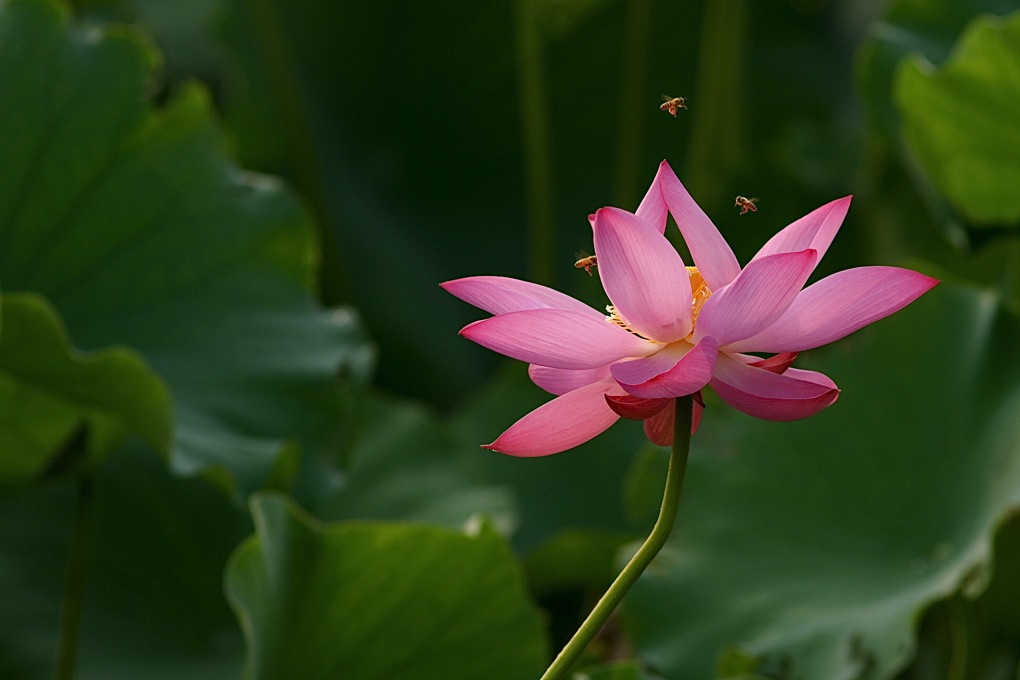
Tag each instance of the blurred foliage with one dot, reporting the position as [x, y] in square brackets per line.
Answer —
[60, 411]
[419, 142]
[958, 119]
[345, 601]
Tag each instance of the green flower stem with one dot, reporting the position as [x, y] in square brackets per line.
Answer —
[645, 554]
[82, 543]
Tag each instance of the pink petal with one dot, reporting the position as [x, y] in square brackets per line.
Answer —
[676, 371]
[763, 394]
[814, 231]
[636, 408]
[643, 275]
[659, 428]
[500, 295]
[837, 306]
[777, 363]
[558, 338]
[756, 298]
[561, 424]
[712, 255]
[653, 209]
[561, 380]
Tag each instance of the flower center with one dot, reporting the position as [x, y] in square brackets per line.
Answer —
[699, 293]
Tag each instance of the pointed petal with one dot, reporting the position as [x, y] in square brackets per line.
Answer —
[636, 408]
[712, 255]
[557, 338]
[643, 276]
[836, 306]
[815, 231]
[562, 380]
[653, 209]
[756, 298]
[500, 295]
[763, 394]
[560, 424]
[676, 371]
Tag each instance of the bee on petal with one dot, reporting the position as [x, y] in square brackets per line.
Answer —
[586, 263]
[745, 204]
[671, 104]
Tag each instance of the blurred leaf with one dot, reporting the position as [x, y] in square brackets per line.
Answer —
[60, 409]
[379, 601]
[407, 465]
[140, 231]
[616, 670]
[815, 545]
[925, 27]
[154, 608]
[981, 635]
[960, 120]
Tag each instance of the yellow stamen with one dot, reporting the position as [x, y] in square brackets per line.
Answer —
[614, 318]
[699, 292]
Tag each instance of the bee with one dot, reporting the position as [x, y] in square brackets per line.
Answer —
[745, 204]
[671, 104]
[586, 263]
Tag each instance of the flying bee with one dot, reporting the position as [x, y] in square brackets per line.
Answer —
[671, 104]
[586, 263]
[745, 204]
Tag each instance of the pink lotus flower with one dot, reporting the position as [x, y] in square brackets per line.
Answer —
[671, 330]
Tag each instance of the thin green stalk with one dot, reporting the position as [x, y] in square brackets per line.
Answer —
[82, 542]
[645, 554]
[634, 102]
[537, 147]
[717, 115]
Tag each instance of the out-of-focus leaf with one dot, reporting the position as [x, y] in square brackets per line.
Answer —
[407, 465]
[63, 410]
[960, 120]
[154, 607]
[616, 670]
[138, 228]
[983, 630]
[373, 600]
[923, 27]
[814, 545]
[910, 27]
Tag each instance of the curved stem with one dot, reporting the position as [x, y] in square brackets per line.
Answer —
[82, 542]
[645, 554]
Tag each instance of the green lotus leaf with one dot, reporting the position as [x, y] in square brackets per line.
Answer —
[380, 600]
[60, 409]
[959, 120]
[154, 605]
[134, 223]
